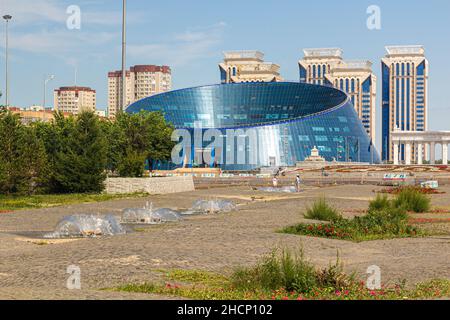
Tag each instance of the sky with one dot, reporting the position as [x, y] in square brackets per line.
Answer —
[190, 37]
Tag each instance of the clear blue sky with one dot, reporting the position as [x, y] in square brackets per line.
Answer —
[190, 36]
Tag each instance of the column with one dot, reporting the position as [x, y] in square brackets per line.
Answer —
[419, 153]
[444, 153]
[408, 153]
[426, 151]
[432, 153]
[395, 153]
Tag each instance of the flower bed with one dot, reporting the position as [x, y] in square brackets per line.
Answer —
[428, 220]
[397, 190]
[356, 229]
[208, 286]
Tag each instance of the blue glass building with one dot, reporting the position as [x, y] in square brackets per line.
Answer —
[262, 124]
[404, 100]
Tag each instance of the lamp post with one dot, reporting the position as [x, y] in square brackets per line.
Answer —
[7, 18]
[124, 78]
[49, 78]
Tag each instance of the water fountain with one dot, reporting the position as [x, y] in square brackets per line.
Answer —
[86, 226]
[287, 189]
[213, 206]
[148, 215]
[167, 215]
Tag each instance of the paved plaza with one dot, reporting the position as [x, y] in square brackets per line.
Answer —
[33, 268]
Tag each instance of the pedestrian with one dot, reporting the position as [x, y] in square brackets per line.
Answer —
[275, 182]
[298, 182]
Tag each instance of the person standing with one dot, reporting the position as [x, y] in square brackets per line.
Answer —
[275, 182]
[298, 182]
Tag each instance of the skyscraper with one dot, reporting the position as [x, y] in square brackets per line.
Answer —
[404, 99]
[317, 63]
[248, 66]
[142, 81]
[326, 66]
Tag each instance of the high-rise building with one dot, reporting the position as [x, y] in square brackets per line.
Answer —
[248, 66]
[326, 66]
[317, 63]
[404, 100]
[358, 81]
[74, 99]
[142, 81]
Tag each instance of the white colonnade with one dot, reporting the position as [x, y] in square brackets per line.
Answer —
[419, 146]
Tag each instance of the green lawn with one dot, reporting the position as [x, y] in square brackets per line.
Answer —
[11, 203]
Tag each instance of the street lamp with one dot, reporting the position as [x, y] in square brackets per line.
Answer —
[7, 18]
[124, 79]
[49, 78]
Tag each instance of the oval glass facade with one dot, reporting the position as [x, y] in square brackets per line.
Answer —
[263, 124]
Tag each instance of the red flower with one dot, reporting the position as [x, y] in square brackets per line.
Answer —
[346, 292]
[285, 298]
[338, 293]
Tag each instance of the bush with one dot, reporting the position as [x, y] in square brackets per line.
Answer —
[381, 202]
[413, 200]
[321, 210]
[291, 272]
[386, 221]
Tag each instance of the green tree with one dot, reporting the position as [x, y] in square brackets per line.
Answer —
[55, 137]
[137, 138]
[23, 162]
[131, 164]
[116, 142]
[82, 161]
[77, 153]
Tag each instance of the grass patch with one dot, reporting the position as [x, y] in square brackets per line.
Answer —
[411, 199]
[290, 272]
[373, 226]
[385, 219]
[321, 210]
[282, 275]
[380, 202]
[13, 202]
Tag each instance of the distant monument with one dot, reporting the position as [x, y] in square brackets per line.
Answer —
[315, 157]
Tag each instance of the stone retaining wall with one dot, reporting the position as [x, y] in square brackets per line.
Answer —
[156, 185]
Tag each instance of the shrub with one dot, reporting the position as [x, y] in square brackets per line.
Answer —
[386, 221]
[291, 272]
[412, 200]
[321, 210]
[381, 202]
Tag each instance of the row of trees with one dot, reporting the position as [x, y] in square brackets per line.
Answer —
[74, 154]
